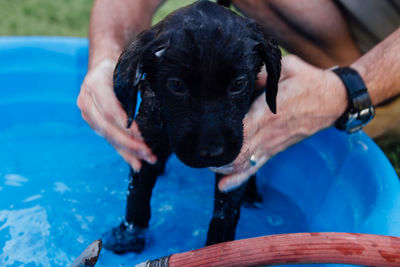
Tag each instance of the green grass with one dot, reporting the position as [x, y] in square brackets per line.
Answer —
[45, 17]
[391, 146]
[71, 18]
[57, 17]
[168, 7]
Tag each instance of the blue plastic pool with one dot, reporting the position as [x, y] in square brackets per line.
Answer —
[62, 186]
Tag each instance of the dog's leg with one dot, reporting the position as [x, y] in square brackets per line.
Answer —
[226, 213]
[251, 196]
[129, 235]
[141, 184]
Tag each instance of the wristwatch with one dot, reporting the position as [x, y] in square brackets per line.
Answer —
[360, 110]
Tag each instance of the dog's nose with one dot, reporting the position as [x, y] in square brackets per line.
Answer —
[211, 152]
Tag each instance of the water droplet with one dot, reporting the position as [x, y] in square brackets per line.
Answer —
[275, 220]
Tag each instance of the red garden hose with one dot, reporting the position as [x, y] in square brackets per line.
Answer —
[299, 248]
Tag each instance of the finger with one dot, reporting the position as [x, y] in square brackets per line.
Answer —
[231, 182]
[132, 160]
[235, 180]
[255, 136]
[134, 131]
[227, 169]
[120, 139]
[238, 165]
[117, 137]
[111, 110]
[258, 115]
[109, 107]
[115, 115]
[123, 142]
[98, 84]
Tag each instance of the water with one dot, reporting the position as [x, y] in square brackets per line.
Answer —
[62, 186]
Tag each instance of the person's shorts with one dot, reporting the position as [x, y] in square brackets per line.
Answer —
[370, 21]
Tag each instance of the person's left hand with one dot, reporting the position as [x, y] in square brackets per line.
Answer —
[309, 99]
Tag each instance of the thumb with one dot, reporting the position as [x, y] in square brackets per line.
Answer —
[233, 181]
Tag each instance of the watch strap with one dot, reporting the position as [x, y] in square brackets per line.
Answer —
[360, 110]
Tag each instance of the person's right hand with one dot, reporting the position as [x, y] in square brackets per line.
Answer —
[309, 99]
[102, 111]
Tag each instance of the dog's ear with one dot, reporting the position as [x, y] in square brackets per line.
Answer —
[270, 53]
[272, 60]
[130, 71]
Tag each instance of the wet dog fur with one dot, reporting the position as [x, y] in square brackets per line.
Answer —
[196, 72]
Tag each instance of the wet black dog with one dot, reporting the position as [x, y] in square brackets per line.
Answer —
[196, 72]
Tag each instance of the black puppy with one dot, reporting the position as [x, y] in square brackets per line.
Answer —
[196, 72]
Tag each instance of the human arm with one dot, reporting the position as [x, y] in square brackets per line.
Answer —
[113, 24]
[380, 67]
[309, 99]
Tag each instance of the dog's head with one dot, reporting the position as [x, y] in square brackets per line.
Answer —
[201, 62]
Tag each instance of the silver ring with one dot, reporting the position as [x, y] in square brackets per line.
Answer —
[252, 160]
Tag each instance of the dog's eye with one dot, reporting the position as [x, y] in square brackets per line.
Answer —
[239, 85]
[176, 86]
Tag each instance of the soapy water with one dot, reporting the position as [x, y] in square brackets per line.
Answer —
[61, 187]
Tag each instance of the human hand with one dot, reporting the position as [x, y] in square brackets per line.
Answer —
[102, 111]
[309, 99]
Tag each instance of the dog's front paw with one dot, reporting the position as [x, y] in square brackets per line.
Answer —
[124, 238]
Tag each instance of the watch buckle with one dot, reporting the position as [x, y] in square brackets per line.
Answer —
[359, 119]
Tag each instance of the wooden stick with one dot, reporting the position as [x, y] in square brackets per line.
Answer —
[89, 256]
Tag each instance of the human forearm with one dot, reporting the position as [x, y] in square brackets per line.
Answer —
[114, 23]
[380, 69]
